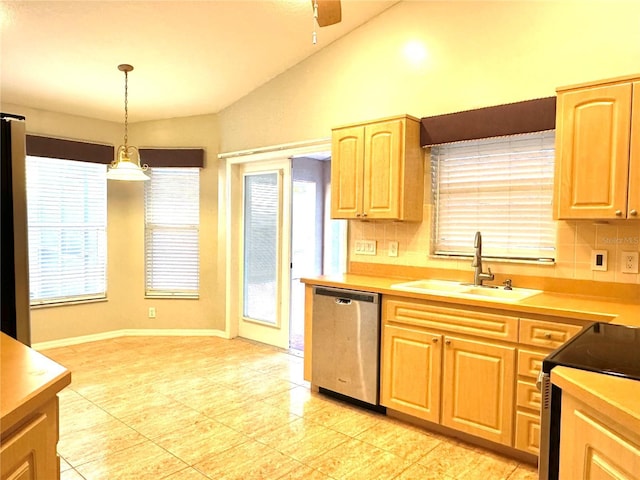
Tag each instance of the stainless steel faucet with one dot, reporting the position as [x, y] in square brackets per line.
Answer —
[478, 275]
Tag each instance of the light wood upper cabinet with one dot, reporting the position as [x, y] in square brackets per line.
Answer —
[377, 170]
[347, 167]
[633, 199]
[598, 151]
[478, 384]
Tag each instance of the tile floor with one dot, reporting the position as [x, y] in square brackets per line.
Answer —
[194, 408]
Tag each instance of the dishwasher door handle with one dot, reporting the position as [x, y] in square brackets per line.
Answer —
[343, 301]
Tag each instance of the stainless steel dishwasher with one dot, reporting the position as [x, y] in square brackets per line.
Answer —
[346, 343]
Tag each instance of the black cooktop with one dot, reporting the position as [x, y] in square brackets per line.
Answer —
[600, 347]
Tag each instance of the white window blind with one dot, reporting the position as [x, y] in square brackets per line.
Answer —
[67, 220]
[261, 246]
[172, 223]
[500, 186]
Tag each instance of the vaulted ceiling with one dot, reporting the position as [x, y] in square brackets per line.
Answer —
[189, 57]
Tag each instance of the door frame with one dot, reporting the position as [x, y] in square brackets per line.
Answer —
[233, 212]
[273, 334]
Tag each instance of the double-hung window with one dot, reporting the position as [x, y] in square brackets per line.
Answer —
[67, 226]
[502, 187]
[172, 228]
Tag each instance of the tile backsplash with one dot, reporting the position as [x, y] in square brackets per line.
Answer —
[575, 241]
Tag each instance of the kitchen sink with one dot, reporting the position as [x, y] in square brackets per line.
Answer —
[426, 286]
[513, 295]
[465, 290]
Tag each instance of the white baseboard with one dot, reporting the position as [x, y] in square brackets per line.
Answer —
[130, 332]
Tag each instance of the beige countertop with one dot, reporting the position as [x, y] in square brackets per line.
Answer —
[580, 307]
[28, 380]
[615, 397]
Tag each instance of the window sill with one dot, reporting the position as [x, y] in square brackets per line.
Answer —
[68, 303]
[173, 296]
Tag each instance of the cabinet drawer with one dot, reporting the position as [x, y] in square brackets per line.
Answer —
[529, 363]
[527, 395]
[437, 316]
[528, 432]
[546, 334]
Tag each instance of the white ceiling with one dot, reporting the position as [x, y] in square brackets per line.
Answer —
[189, 57]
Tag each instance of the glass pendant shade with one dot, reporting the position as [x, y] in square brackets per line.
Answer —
[126, 168]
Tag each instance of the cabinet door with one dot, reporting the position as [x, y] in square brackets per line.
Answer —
[383, 164]
[478, 384]
[633, 202]
[592, 152]
[347, 151]
[24, 455]
[594, 447]
[411, 365]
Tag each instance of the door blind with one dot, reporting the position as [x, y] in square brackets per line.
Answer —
[172, 224]
[500, 186]
[67, 219]
[261, 247]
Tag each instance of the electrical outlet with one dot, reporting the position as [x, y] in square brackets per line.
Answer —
[629, 262]
[393, 249]
[599, 260]
[152, 312]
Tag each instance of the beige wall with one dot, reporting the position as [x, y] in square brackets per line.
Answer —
[126, 307]
[575, 242]
[478, 54]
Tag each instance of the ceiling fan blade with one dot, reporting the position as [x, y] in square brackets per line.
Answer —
[329, 12]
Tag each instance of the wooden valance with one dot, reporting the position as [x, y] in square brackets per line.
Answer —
[510, 119]
[172, 157]
[38, 146]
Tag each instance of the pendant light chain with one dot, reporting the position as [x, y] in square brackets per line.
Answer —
[126, 108]
[314, 36]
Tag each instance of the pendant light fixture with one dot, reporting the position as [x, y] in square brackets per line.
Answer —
[126, 165]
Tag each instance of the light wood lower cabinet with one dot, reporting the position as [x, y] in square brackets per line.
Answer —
[416, 390]
[29, 453]
[477, 388]
[594, 447]
[536, 339]
[477, 376]
[527, 432]
[470, 369]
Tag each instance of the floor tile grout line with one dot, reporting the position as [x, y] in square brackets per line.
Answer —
[275, 372]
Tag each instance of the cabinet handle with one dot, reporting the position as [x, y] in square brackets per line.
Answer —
[633, 212]
[547, 335]
[618, 213]
[364, 214]
[447, 342]
[434, 340]
[357, 214]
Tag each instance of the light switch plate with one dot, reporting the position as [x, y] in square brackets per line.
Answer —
[365, 247]
[393, 249]
[599, 260]
[629, 262]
